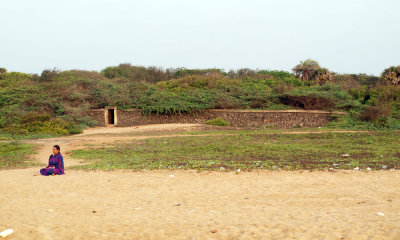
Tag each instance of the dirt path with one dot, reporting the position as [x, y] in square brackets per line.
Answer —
[190, 205]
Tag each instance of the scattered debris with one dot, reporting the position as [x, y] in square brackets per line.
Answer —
[360, 202]
[177, 205]
[330, 169]
[345, 155]
[93, 211]
[221, 168]
[165, 142]
[212, 162]
[368, 169]
[384, 166]
[380, 214]
[336, 164]
[138, 208]
[6, 232]
[238, 170]
[214, 231]
[171, 175]
[381, 156]
[356, 168]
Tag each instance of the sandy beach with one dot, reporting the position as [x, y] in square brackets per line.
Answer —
[187, 204]
[154, 205]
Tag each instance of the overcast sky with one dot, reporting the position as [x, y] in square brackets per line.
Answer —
[346, 36]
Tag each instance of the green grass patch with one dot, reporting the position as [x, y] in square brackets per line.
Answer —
[249, 150]
[16, 155]
[217, 122]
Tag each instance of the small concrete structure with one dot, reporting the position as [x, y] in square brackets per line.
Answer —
[110, 116]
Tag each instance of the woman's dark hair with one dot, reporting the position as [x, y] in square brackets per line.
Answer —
[57, 147]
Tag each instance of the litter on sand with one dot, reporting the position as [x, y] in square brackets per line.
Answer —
[380, 214]
[6, 232]
[171, 175]
[368, 169]
[356, 168]
[345, 155]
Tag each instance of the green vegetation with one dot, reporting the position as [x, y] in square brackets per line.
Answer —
[56, 103]
[217, 122]
[15, 155]
[249, 149]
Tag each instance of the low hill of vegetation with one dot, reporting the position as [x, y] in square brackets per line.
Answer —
[56, 102]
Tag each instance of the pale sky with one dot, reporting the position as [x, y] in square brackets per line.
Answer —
[346, 36]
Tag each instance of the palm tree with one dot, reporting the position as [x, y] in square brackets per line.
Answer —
[392, 75]
[306, 69]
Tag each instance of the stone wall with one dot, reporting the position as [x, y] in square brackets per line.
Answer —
[236, 117]
[98, 115]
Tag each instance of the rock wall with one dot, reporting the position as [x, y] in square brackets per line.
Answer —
[98, 115]
[238, 118]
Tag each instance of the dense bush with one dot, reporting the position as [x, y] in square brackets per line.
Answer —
[170, 102]
[57, 101]
[373, 113]
[33, 122]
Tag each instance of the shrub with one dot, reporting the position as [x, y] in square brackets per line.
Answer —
[307, 102]
[169, 102]
[34, 122]
[392, 75]
[373, 113]
[136, 73]
[35, 117]
[49, 74]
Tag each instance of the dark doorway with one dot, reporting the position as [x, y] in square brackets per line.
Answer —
[110, 116]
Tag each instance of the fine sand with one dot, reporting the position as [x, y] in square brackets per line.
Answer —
[166, 204]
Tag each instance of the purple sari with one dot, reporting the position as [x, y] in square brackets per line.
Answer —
[56, 165]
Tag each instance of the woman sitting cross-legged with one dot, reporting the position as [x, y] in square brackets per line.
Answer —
[56, 163]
